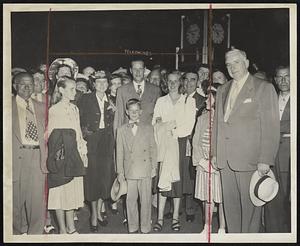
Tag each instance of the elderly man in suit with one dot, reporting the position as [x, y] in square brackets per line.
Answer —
[147, 93]
[29, 159]
[277, 212]
[245, 139]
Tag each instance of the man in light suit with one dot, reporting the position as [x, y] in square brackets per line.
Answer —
[29, 159]
[147, 93]
[278, 211]
[137, 163]
[245, 139]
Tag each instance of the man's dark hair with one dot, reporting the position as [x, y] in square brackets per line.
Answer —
[190, 71]
[133, 101]
[21, 75]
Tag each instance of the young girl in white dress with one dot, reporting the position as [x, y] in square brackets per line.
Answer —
[66, 198]
[201, 149]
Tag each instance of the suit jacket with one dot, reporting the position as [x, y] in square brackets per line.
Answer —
[40, 115]
[90, 113]
[284, 152]
[62, 170]
[136, 155]
[148, 100]
[200, 103]
[251, 134]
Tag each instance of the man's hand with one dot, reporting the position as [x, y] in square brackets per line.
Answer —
[121, 177]
[153, 172]
[262, 169]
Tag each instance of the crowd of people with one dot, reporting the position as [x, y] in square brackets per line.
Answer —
[141, 137]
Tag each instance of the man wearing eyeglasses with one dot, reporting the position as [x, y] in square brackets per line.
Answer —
[277, 212]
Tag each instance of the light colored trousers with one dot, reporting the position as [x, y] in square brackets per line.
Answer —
[139, 188]
[29, 201]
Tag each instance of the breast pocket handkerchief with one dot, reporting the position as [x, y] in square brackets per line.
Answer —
[248, 100]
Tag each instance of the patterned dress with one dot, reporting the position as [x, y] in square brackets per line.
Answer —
[202, 177]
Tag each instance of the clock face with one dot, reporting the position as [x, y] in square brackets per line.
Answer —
[193, 34]
[218, 33]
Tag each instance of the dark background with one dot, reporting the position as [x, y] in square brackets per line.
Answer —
[263, 34]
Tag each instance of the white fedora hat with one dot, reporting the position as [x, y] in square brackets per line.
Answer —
[118, 189]
[263, 189]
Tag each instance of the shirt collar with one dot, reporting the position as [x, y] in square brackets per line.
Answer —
[20, 101]
[103, 99]
[285, 97]
[242, 81]
[191, 95]
[142, 84]
[133, 121]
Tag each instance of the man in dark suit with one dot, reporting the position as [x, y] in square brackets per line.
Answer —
[29, 159]
[245, 139]
[147, 93]
[190, 80]
[278, 211]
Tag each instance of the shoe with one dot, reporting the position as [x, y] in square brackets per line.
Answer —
[221, 231]
[73, 232]
[103, 214]
[190, 217]
[93, 229]
[125, 223]
[49, 229]
[158, 226]
[205, 230]
[102, 222]
[175, 225]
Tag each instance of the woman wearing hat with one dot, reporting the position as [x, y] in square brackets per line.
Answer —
[207, 176]
[59, 68]
[96, 116]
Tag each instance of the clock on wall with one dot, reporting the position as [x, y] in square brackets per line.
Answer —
[218, 33]
[193, 33]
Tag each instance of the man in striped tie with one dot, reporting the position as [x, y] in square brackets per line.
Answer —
[29, 159]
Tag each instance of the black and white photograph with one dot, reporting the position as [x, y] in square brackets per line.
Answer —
[150, 123]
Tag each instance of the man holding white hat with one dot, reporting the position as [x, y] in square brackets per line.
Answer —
[245, 139]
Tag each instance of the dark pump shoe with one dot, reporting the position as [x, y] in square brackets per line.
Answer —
[93, 229]
[102, 222]
[190, 218]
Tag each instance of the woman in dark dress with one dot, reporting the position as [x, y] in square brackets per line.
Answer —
[96, 116]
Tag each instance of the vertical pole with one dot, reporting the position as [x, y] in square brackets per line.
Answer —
[176, 58]
[228, 30]
[181, 37]
[204, 47]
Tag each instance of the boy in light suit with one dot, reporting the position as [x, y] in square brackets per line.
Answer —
[136, 162]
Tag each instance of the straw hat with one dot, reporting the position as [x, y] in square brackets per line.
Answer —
[263, 189]
[118, 189]
[59, 61]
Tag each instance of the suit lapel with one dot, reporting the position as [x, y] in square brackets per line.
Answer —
[146, 92]
[95, 102]
[225, 95]
[129, 136]
[286, 112]
[244, 93]
[131, 91]
[40, 117]
[15, 120]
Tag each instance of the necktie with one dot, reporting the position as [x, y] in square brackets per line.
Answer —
[139, 90]
[31, 130]
[231, 100]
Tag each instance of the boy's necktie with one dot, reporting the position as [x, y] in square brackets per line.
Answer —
[31, 129]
